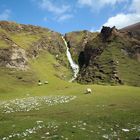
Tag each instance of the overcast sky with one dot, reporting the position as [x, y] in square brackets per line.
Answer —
[71, 15]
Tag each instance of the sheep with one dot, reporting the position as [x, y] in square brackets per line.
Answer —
[88, 91]
[57, 56]
[46, 82]
[39, 83]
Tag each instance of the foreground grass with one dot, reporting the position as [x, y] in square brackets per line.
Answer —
[102, 115]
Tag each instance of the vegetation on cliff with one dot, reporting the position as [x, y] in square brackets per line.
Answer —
[111, 57]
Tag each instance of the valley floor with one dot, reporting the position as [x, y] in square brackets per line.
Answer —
[110, 112]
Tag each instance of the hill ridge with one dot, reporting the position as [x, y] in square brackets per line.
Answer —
[106, 57]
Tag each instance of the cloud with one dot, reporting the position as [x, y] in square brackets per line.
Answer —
[60, 11]
[125, 19]
[55, 9]
[135, 6]
[122, 20]
[5, 15]
[65, 17]
[98, 4]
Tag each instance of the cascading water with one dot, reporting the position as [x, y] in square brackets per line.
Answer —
[73, 65]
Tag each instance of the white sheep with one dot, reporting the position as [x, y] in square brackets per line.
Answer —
[39, 83]
[88, 91]
[57, 56]
[46, 82]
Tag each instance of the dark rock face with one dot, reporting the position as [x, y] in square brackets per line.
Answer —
[81, 59]
[106, 32]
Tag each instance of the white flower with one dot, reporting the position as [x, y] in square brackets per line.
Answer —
[48, 133]
[125, 130]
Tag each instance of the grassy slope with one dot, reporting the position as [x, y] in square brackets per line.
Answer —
[127, 68]
[41, 68]
[27, 41]
[3, 43]
[24, 40]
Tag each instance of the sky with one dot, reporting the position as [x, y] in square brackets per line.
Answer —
[71, 15]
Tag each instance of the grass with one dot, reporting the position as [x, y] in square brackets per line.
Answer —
[98, 116]
[25, 40]
[3, 44]
[128, 68]
[108, 110]
[43, 68]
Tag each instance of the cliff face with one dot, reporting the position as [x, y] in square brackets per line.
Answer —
[19, 42]
[77, 41]
[112, 57]
[13, 57]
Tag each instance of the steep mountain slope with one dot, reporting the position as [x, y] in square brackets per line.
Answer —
[16, 39]
[109, 57]
[28, 54]
[133, 30]
[112, 56]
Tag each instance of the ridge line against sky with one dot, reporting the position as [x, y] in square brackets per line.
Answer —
[71, 15]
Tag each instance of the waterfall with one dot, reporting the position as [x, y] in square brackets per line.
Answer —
[73, 65]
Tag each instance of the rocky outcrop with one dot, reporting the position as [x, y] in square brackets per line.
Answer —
[106, 32]
[13, 57]
[107, 57]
